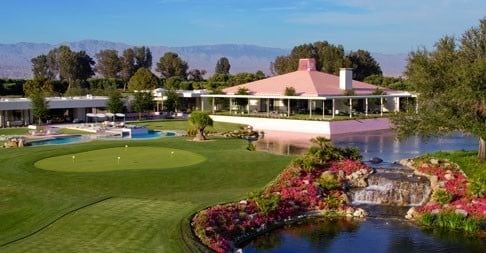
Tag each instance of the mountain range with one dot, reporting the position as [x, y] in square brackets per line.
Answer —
[15, 58]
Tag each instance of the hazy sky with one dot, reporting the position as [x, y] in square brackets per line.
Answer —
[385, 26]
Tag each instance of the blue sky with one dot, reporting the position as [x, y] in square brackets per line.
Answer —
[385, 26]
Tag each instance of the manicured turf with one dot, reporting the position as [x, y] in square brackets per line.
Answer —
[184, 125]
[14, 131]
[147, 205]
[121, 158]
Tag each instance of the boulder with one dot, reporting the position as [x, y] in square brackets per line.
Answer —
[359, 212]
[434, 161]
[376, 160]
[411, 213]
[461, 212]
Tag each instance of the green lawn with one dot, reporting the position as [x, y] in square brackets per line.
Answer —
[14, 131]
[468, 162]
[121, 158]
[184, 125]
[146, 206]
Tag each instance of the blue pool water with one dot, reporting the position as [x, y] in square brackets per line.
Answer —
[152, 134]
[59, 140]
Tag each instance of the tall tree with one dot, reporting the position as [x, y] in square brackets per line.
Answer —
[170, 64]
[196, 75]
[330, 57]
[40, 67]
[108, 63]
[40, 107]
[143, 57]
[363, 64]
[143, 101]
[450, 82]
[143, 79]
[128, 64]
[115, 102]
[173, 100]
[223, 66]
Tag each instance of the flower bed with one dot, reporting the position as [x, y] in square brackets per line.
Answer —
[293, 194]
[454, 203]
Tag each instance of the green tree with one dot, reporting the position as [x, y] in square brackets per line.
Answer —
[196, 75]
[171, 65]
[40, 107]
[450, 84]
[38, 86]
[363, 64]
[108, 63]
[242, 102]
[115, 102]
[172, 102]
[143, 101]
[200, 120]
[223, 66]
[143, 79]
[40, 68]
[290, 91]
[143, 57]
[128, 67]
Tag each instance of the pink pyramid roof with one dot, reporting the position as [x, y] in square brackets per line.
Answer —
[306, 81]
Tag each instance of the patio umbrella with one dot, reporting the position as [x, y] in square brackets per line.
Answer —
[121, 115]
[90, 115]
[110, 115]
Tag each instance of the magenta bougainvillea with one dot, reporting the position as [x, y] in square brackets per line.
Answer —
[292, 193]
[452, 180]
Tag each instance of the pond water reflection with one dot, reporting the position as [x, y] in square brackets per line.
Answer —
[371, 235]
[381, 144]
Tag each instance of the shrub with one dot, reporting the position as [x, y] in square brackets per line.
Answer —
[441, 196]
[477, 188]
[267, 203]
[328, 182]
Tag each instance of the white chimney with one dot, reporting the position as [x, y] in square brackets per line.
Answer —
[346, 79]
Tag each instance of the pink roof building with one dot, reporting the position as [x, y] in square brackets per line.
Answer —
[308, 82]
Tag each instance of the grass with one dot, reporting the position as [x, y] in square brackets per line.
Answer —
[71, 131]
[468, 162]
[121, 158]
[147, 205]
[184, 125]
[14, 131]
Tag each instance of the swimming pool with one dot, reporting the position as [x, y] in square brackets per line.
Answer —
[151, 134]
[80, 138]
[59, 140]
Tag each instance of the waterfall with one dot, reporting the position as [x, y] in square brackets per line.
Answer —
[393, 187]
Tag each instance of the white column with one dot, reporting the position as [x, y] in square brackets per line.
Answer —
[323, 108]
[381, 106]
[333, 107]
[397, 104]
[268, 107]
[230, 105]
[310, 109]
[350, 107]
[288, 107]
[366, 105]
[212, 108]
[202, 103]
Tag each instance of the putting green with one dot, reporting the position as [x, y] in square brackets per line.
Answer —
[122, 158]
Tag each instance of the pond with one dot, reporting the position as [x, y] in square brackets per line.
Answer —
[384, 232]
[371, 235]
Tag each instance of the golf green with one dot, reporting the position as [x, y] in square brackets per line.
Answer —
[121, 158]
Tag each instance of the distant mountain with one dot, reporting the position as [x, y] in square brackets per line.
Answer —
[15, 58]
